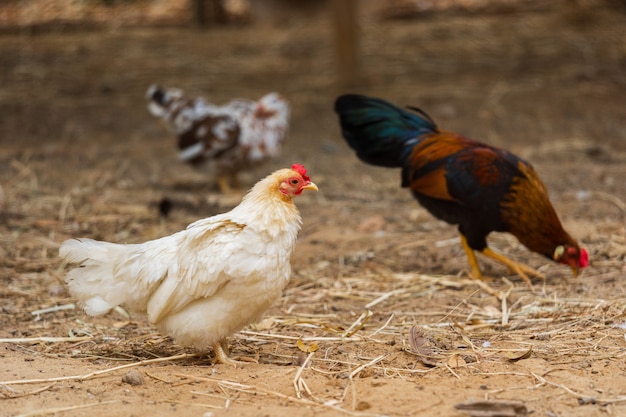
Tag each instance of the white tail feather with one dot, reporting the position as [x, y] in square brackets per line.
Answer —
[102, 281]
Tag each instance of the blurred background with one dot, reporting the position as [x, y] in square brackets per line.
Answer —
[530, 69]
[544, 78]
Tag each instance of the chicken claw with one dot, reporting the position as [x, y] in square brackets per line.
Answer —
[520, 269]
[222, 355]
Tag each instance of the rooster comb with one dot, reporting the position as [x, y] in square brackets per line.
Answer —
[584, 258]
[300, 169]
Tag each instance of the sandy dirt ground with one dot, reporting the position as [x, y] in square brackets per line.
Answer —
[373, 272]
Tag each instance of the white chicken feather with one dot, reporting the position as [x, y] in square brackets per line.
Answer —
[203, 283]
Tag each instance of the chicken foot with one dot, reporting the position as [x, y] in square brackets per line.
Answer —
[222, 355]
[228, 183]
[471, 257]
[223, 184]
[520, 269]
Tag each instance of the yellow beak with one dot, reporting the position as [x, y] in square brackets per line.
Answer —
[310, 186]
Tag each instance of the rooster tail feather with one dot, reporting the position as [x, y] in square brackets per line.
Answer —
[95, 283]
[381, 133]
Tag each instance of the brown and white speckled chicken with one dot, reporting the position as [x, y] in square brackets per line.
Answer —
[235, 136]
[206, 282]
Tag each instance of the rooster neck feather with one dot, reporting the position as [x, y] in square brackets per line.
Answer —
[539, 229]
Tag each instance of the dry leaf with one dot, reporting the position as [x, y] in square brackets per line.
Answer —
[307, 349]
[422, 346]
[516, 356]
[456, 361]
[493, 408]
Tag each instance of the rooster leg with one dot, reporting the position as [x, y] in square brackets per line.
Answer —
[471, 257]
[520, 269]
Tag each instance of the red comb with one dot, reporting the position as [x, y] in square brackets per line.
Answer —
[300, 169]
[584, 258]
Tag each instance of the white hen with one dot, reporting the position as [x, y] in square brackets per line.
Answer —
[235, 135]
[206, 282]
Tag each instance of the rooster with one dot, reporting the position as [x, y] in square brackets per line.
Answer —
[237, 135]
[206, 282]
[478, 187]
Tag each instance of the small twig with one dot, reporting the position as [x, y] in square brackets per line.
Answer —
[210, 395]
[358, 324]
[463, 301]
[45, 411]
[70, 306]
[451, 371]
[611, 400]
[101, 372]
[304, 339]
[461, 332]
[158, 378]
[247, 388]
[24, 394]
[46, 339]
[366, 365]
[383, 326]
[505, 311]
[383, 298]
[355, 373]
[297, 378]
[215, 407]
[306, 388]
[485, 287]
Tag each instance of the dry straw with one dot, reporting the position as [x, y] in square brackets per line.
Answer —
[460, 337]
[346, 321]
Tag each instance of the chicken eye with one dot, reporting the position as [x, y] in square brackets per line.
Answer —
[294, 181]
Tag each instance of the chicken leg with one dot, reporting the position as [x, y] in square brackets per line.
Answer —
[223, 184]
[520, 269]
[471, 257]
[222, 355]
[227, 183]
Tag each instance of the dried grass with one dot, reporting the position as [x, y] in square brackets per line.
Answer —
[366, 332]
[471, 332]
